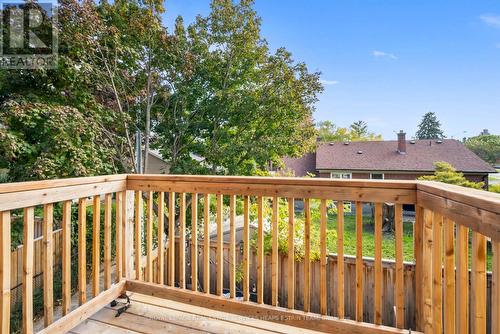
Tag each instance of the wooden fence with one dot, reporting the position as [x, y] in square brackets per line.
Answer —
[16, 264]
[388, 290]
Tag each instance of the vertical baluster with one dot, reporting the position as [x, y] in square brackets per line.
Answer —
[82, 247]
[291, 254]
[495, 288]
[378, 264]
[246, 248]
[462, 294]
[107, 240]
[118, 235]
[427, 271]
[5, 271]
[182, 240]
[340, 259]
[206, 243]
[449, 276]
[275, 256]
[359, 261]
[220, 249]
[138, 234]
[307, 255]
[323, 261]
[171, 238]
[437, 271]
[194, 242]
[126, 240]
[48, 264]
[28, 238]
[418, 249]
[161, 238]
[232, 246]
[260, 250]
[478, 283]
[96, 242]
[399, 295]
[66, 258]
[149, 238]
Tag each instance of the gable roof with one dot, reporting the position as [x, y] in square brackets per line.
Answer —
[383, 156]
[301, 166]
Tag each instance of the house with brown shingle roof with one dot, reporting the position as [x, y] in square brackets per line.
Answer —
[390, 159]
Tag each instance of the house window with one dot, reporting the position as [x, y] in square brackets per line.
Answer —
[336, 175]
[377, 176]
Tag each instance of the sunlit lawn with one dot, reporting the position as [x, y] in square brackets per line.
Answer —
[388, 241]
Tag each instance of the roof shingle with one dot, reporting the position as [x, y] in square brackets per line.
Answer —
[383, 156]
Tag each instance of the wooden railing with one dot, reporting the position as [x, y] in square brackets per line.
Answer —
[272, 189]
[449, 218]
[145, 249]
[46, 194]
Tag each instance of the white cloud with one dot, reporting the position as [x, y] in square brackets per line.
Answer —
[491, 20]
[329, 82]
[382, 54]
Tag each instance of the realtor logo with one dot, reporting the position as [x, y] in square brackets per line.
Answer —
[29, 35]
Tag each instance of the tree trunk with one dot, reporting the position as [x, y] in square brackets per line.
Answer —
[149, 102]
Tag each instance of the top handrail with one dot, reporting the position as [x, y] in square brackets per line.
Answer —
[407, 192]
[479, 198]
[58, 183]
[297, 181]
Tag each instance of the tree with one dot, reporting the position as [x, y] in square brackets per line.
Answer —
[107, 68]
[357, 131]
[429, 127]
[40, 140]
[446, 173]
[123, 42]
[232, 102]
[487, 147]
[211, 96]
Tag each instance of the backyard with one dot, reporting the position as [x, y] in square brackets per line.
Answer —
[388, 240]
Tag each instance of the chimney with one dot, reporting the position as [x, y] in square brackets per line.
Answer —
[401, 142]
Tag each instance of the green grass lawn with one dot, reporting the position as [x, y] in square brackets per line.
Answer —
[388, 241]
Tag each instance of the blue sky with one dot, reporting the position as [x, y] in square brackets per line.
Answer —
[387, 62]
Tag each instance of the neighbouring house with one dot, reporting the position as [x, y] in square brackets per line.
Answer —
[156, 164]
[389, 159]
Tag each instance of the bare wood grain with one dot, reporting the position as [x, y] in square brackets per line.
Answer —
[82, 250]
[48, 264]
[5, 240]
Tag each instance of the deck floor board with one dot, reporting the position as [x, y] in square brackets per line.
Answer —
[155, 315]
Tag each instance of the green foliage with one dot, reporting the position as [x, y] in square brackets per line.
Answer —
[357, 131]
[212, 89]
[495, 188]
[299, 231]
[42, 140]
[232, 101]
[4, 176]
[487, 147]
[429, 127]
[446, 173]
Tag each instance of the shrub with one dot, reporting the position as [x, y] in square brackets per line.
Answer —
[495, 188]
[299, 233]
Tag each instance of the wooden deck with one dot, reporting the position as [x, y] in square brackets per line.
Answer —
[155, 315]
